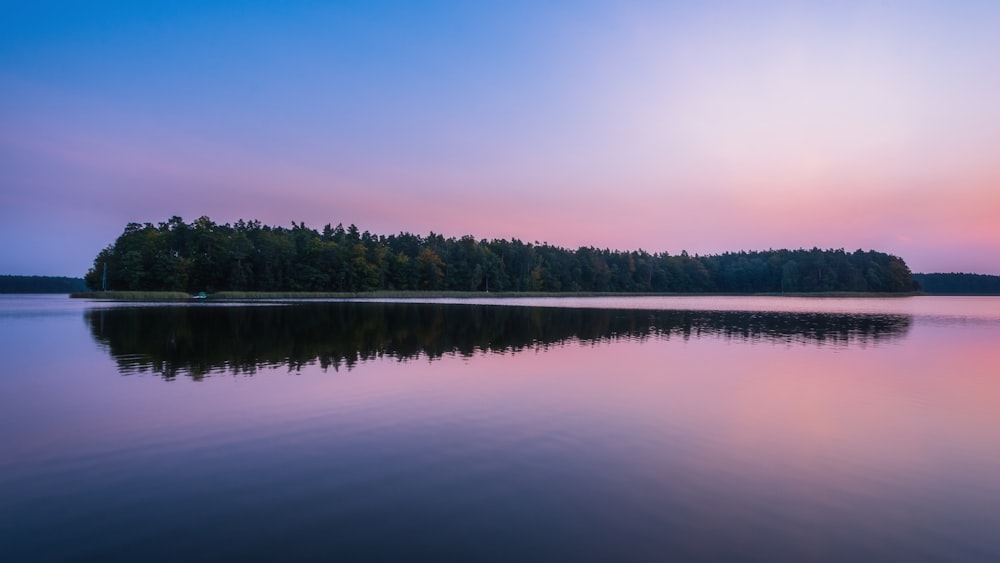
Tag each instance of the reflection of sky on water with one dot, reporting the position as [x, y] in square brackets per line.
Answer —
[615, 448]
[965, 307]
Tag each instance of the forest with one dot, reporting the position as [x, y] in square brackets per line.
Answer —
[40, 284]
[959, 284]
[249, 256]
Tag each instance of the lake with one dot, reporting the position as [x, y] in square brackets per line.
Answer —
[570, 429]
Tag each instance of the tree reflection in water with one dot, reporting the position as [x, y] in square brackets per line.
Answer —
[202, 339]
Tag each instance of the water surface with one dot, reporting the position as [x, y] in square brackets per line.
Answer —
[753, 429]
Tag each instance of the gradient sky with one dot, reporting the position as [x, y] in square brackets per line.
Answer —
[704, 126]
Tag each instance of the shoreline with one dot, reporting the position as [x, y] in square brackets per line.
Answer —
[149, 296]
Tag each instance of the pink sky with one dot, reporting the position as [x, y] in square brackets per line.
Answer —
[703, 128]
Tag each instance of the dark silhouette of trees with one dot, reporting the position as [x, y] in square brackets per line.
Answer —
[959, 284]
[250, 256]
[40, 284]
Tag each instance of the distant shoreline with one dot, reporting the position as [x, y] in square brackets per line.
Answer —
[149, 296]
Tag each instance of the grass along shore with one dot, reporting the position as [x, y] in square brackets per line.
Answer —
[142, 296]
[133, 295]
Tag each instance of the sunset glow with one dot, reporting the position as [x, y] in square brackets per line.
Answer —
[704, 127]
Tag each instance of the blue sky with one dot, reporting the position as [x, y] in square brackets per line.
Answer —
[707, 126]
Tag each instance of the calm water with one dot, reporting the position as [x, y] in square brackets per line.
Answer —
[645, 429]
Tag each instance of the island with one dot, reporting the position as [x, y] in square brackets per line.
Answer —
[247, 256]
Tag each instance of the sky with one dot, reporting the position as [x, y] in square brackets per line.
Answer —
[666, 126]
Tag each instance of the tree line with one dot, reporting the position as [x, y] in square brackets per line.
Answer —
[959, 284]
[249, 256]
[40, 284]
